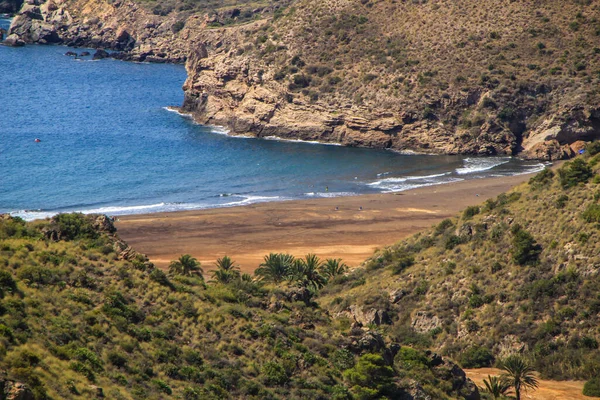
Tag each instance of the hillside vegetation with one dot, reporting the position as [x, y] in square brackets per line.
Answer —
[84, 316]
[518, 274]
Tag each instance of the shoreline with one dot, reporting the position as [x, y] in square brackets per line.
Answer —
[349, 227]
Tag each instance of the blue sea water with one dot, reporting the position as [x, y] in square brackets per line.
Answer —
[109, 144]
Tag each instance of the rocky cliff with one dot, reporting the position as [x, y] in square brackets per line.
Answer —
[442, 76]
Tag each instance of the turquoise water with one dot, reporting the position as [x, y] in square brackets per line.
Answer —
[109, 144]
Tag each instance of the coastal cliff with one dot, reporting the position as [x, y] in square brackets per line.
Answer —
[471, 77]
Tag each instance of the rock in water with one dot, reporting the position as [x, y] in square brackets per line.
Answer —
[71, 54]
[14, 41]
[100, 54]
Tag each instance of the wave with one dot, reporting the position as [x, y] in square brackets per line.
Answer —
[330, 194]
[474, 165]
[391, 187]
[278, 139]
[407, 178]
[30, 215]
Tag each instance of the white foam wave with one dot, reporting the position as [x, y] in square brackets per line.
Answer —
[252, 200]
[330, 194]
[407, 178]
[473, 165]
[390, 187]
[30, 215]
[277, 138]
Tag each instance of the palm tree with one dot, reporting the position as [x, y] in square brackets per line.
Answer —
[496, 387]
[275, 267]
[226, 271]
[518, 374]
[306, 272]
[186, 265]
[333, 267]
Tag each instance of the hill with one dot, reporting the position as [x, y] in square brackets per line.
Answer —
[518, 274]
[475, 77]
[82, 315]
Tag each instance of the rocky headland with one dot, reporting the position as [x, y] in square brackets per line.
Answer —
[506, 78]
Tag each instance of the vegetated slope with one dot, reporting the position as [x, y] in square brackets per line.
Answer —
[481, 77]
[84, 316]
[520, 274]
[477, 77]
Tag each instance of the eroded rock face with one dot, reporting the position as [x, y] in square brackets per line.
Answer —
[11, 390]
[364, 316]
[424, 322]
[239, 89]
[553, 138]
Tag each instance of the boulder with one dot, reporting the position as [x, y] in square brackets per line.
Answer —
[11, 390]
[369, 342]
[100, 54]
[71, 54]
[368, 316]
[14, 41]
[84, 54]
[397, 295]
[448, 371]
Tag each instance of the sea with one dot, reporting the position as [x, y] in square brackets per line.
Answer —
[110, 142]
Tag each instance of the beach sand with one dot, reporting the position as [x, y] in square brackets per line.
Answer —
[299, 227]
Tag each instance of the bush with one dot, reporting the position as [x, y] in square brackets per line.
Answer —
[525, 249]
[470, 212]
[542, 179]
[7, 284]
[476, 357]
[593, 148]
[75, 226]
[177, 26]
[274, 374]
[574, 173]
[592, 388]
[592, 213]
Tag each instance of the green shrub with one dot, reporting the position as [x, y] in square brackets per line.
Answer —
[371, 377]
[525, 249]
[7, 284]
[274, 374]
[402, 263]
[593, 148]
[574, 173]
[470, 212]
[592, 213]
[75, 226]
[476, 357]
[592, 387]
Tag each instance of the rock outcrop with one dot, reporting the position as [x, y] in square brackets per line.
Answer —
[359, 81]
[12, 390]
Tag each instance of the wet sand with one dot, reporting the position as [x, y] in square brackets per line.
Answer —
[328, 227]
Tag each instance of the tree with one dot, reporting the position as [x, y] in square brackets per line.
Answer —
[518, 374]
[496, 387]
[526, 251]
[333, 267]
[275, 267]
[186, 265]
[371, 378]
[305, 272]
[226, 271]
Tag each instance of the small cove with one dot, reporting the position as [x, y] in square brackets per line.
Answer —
[109, 144]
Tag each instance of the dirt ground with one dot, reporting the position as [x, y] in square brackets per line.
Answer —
[548, 390]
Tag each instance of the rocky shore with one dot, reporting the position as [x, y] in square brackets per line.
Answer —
[243, 79]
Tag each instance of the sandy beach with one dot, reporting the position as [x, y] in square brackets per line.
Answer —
[328, 227]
